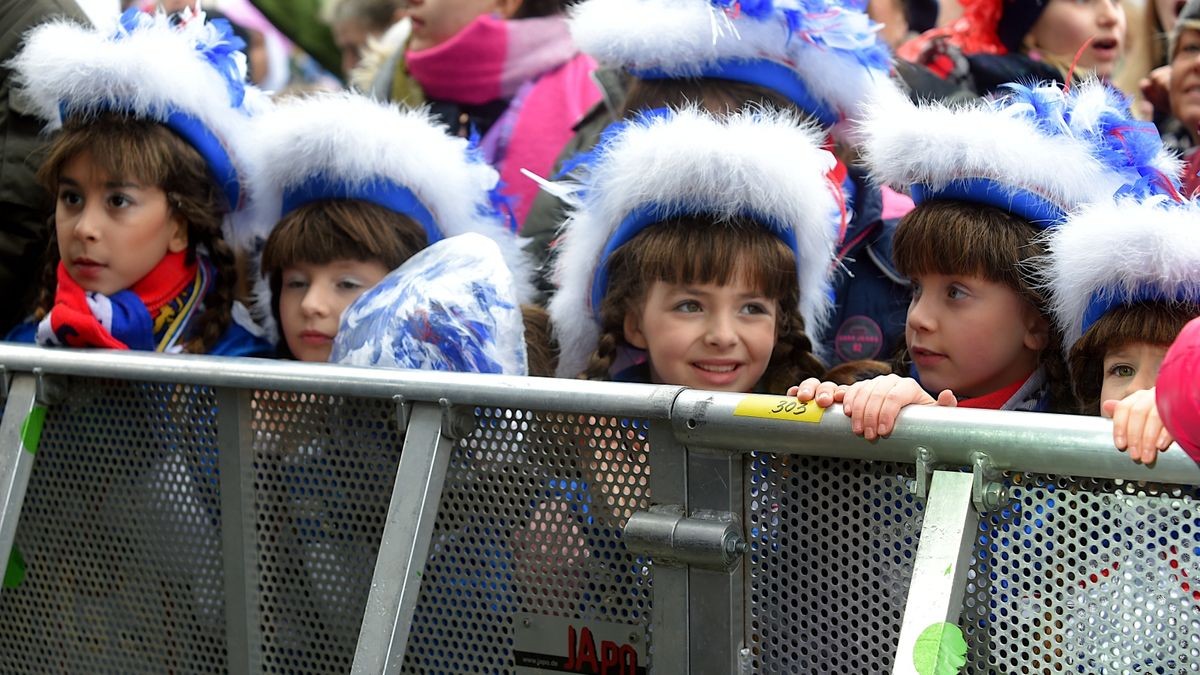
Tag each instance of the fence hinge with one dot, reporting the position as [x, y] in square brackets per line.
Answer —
[403, 412]
[457, 421]
[49, 389]
[707, 539]
[5, 383]
[987, 493]
[924, 462]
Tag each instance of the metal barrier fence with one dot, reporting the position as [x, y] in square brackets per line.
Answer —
[197, 514]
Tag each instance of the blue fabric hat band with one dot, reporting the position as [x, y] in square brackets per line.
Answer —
[768, 74]
[387, 194]
[197, 135]
[1033, 207]
[648, 214]
[1102, 302]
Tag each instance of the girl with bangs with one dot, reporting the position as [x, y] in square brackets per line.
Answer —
[713, 269]
[1120, 314]
[144, 172]
[988, 179]
[352, 189]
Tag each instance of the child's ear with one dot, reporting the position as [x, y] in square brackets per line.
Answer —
[1037, 330]
[633, 330]
[179, 232]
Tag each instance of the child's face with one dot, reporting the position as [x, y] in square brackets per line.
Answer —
[313, 297]
[705, 336]
[1129, 368]
[1065, 25]
[1184, 84]
[112, 231]
[436, 21]
[971, 335]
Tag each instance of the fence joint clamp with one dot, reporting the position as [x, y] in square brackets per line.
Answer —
[49, 390]
[403, 412]
[707, 539]
[924, 465]
[987, 493]
[457, 421]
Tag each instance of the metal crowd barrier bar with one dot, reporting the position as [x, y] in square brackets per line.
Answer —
[197, 513]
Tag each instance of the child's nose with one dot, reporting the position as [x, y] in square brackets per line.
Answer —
[721, 331]
[920, 315]
[87, 225]
[315, 302]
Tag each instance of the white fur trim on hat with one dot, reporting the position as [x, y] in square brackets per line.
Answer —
[691, 162]
[1053, 147]
[1123, 250]
[148, 68]
[834, 49]
[355, 141]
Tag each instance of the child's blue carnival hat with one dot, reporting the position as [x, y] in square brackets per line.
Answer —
[1037, 152]
[759, 165]
[346, 146]
[824, 55]
[1121, 252]
[453, 306]
[189, 77]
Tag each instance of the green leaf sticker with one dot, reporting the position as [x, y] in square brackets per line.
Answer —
[940, 650]
[31, 430]
[15, 573]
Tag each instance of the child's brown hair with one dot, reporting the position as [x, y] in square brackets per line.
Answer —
[694, 249]
[337, 229]
[953, 237]
[133, 147]
[1155, 323]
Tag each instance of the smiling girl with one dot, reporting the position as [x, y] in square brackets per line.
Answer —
[714, 264]
[144, 170]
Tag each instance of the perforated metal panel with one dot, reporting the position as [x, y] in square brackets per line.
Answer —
[832, 549]
[324, 468]
[120, 534]
[1086, 576]
[530, 521]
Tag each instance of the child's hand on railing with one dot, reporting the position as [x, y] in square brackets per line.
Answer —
[872, 405]
[1137, 426]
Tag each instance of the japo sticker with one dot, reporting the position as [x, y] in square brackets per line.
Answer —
[779, 408]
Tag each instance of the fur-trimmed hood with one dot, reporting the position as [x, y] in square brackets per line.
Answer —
[689, 162]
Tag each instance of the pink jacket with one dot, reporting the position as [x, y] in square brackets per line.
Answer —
[1177, 392]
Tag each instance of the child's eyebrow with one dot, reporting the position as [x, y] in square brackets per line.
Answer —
[113, 184]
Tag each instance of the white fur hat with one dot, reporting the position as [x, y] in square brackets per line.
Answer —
[1038, 152]
[757, 164]
[346, 146]
[825, 55]
[189, 77]
[1120, 252]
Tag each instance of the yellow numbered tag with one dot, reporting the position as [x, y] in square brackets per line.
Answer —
[779, 408]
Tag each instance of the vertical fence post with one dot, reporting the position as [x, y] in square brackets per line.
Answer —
[20, 432]
[404, 547]
[669, 603]
[235, 443]
[939, 578]
[716, 616]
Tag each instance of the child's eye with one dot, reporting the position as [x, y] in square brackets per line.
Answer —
[70, 198]
[916, 289]
[755, 308]
[1121, 370]
[956, 292]
[349, 284]
[294, 283]
[118, 201]
[688, 306]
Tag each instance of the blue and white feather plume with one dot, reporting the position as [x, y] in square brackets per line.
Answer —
[451, 307]
[756, 164]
